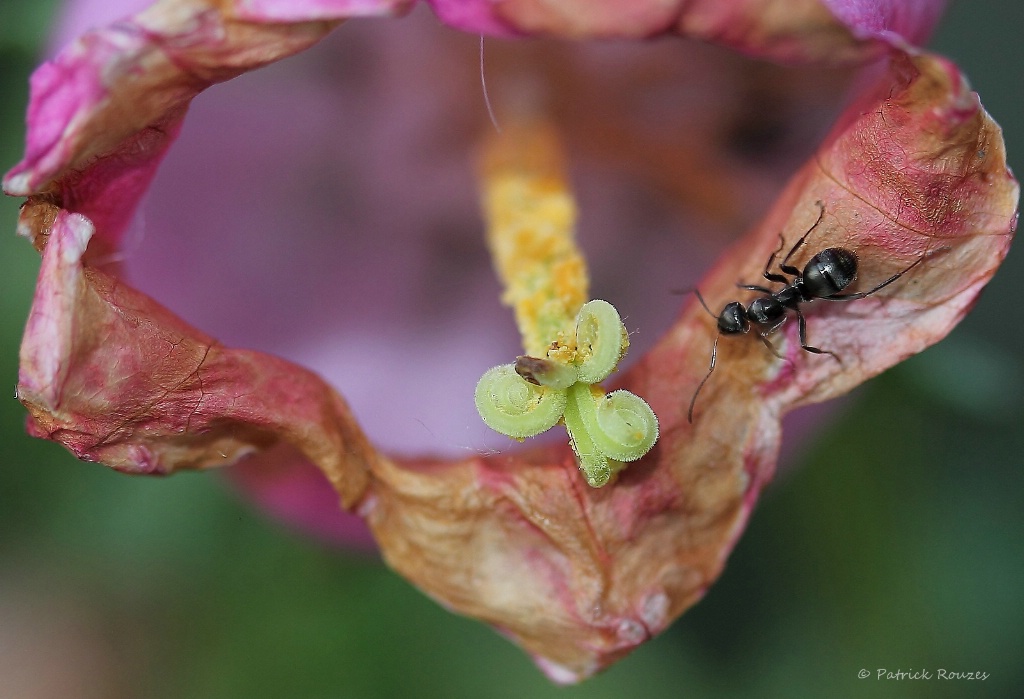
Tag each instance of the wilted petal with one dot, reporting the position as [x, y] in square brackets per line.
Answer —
[116, 378]
[313, 10]
[104, 111]
[579, 577]
[785, 30]
[916, 171]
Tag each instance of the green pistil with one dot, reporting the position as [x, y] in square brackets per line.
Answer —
[531, 396]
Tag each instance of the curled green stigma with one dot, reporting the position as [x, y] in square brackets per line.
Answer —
[510, 404]
[601, 341]
[605, 430]
[621, 424]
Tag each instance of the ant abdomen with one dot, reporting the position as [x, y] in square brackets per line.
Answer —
[828, 273]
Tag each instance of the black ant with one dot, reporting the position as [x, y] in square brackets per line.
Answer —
[823, 277]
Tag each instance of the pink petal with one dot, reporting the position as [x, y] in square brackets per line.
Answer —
[84, 148]
[818, 30]
[313, 10]
[287, 486]
[911, 20]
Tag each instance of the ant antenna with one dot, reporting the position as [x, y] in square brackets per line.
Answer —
[714, 354]
[483, 84]
[702, 303]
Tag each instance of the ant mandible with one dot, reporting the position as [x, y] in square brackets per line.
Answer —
[823, 277]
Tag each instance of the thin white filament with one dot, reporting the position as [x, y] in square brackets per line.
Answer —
[483, 84]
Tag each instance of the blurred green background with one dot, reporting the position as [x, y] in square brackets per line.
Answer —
[904, 550]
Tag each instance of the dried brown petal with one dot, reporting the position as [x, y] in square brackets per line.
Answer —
[116, 378]
[581, 576]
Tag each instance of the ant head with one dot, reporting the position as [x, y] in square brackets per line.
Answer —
[733, 319]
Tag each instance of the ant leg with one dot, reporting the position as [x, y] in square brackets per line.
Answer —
[803, 339]
[768, 343]
[767, 274]
[784, 265]
[887, 282]
[771, 348]
[693, 401]
[775, 327]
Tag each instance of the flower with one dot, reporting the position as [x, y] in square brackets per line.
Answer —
[912, 172]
